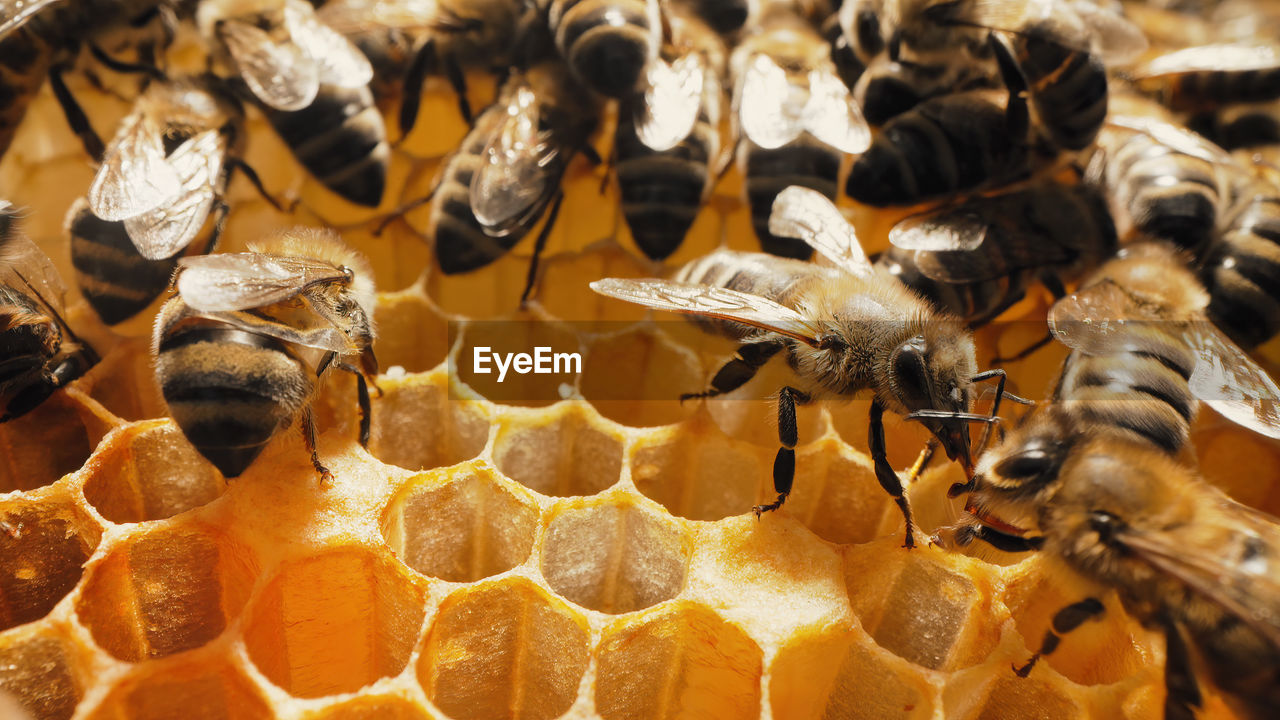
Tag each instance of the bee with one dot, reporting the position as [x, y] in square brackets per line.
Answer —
[793, 116]
[115, 279]
[1184, 558]
[406, 41]
[240, 349]
[1236, 127]
[1240, 268]
[725, 17]
[606, 43]
[1207, 77]
[668, 138]
[842, 329]
[40, 351]
[508, 168]
[41, 38]
[977, 258]
[312, 85]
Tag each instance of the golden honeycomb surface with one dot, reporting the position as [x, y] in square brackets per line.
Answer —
[581, 557]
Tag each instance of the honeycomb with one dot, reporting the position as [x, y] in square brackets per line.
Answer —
[532, 550]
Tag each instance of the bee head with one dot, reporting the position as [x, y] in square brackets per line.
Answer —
[931, 371]
[1014, 480]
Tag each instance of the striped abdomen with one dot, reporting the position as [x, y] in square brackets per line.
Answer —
[116, 280]
[1209, 89]
[1068, 87]
[461, 243]
[607, 43]
[1141, 391]
[1242, 273]
[942, 146]
[340, 139]
[28, 339]
[662, 192]
[805, 161]
[229, 390]
[1165, 194]
[25, 61]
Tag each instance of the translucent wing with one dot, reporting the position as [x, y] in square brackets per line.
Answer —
[165, 231]
[713, 302]
[671, 102]
[1180, 139]
[240, 281]
[1232, 383]
[324, 337]
[135, 176]
[1212, 58]
[338, 61]
[517, 175]
[808, 215]
[15, 13]
[22, 263]
[960, 228]
[1249, 590]
[1116, 38]
[280, 74]
[770, 108]
[1095, 319]
[831, 117]
[356, 16]
[1077, 25]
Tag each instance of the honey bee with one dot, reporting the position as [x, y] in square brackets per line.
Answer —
[240, 349]
[842, 329]
[794, 117]
[977, 258]
[115, 279]
[312, 85]
[507, 170]
[41, 38]
[406, 41]
[1185, 558]
[1207, 77]
[668, 138]
[1235, 127]
[1238, 269]
[41, 352]
[723, 16]
[606, 43]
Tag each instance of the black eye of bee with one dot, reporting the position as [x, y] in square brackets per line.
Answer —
[1105, 524]
[1026, 465]
[866, 30]
[912, 374]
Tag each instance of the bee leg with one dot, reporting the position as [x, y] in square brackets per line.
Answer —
[411, 89]
[889, 479]
[362, 397]
[922, 462]
[610, 162]
[123, 67]
[72, 367]
[733, 374]
[1064, 621]
[309, 437]
[76, 118]
[1025, 352]
[458, 80]
[539, 246]
[784, 464]
[1182, 692]
[235, 163]
[1001, 541]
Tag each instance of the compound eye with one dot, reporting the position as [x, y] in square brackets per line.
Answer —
[1026, 465]
[911, 375]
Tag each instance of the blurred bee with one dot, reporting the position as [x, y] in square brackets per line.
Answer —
[1235, 127]
[793, 116]
[507, 170]
[406, 41]
[1185, 558]
[1240, 270]
[41, 38]
[240, 349]
[312, 85]
[668, 138]
[977, 258]
[844, 329]
[39, 353]
[1207, 77]
[606, 43]
[726, 17]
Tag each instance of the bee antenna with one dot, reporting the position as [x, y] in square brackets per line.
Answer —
[949, 415]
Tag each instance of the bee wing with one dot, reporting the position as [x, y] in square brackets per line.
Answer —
[280, 74]
[767, 110]
[1226, 57]
[240, 281]
[15, 13]
[957, 228]
[1248, 589]
[1232, 383]
[806, 214]
[135, 176]
[713, 302]
[830, 116]
[337, 60]
[671, 102]
[325, 338]
[518, 170]
[1180, 139]
[351, 17]
[165, 231]
[1095, 319]
[1117, 39]
[22, 262]
[1078, 25]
